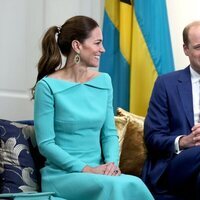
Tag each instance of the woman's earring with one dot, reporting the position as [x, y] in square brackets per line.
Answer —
[77, 59]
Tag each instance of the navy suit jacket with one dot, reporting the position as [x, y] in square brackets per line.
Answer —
[169, 115]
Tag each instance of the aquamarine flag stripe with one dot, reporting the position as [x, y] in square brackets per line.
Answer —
[113, 62]
[153, 21]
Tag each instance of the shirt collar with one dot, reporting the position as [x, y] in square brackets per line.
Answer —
[195, 77]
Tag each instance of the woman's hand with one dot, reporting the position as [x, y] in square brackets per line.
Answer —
[95, 170]
[109, 169]
[112, 169]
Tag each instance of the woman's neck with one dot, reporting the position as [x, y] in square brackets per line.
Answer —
[76, 73]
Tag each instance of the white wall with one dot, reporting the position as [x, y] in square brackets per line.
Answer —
[23, 23]
[181, 13]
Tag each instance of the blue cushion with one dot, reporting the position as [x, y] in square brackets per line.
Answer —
[19, 170]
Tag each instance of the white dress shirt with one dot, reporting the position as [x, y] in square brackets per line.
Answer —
[195, 80]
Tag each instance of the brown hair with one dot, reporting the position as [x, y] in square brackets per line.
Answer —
[75, 28]
[186, 31]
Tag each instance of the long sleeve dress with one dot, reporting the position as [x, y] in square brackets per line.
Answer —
[75, 127]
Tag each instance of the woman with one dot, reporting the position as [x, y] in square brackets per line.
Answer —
[74, 118]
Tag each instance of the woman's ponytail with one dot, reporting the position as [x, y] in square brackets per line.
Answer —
[51, 56]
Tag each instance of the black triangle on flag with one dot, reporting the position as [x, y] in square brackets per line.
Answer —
[127, 1]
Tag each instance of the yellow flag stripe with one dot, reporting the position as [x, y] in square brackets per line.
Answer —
[120, 14]
[125, 28]
[112, 9]
[142, 72]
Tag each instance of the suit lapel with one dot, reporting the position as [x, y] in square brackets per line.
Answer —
[185, 92]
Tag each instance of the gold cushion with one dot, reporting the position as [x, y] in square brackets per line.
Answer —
[121, 123]
[133, 151]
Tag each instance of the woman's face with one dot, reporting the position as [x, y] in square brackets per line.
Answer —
[92, 48]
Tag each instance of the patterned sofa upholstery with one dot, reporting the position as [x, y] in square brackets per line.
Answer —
[20, 162]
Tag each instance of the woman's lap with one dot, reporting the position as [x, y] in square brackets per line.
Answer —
[95, 186]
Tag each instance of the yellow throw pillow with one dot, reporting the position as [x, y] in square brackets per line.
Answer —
[133, 150]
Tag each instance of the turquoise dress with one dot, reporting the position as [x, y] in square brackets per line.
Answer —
[75, 127]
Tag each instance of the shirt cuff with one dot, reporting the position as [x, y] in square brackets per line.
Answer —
[176, 145]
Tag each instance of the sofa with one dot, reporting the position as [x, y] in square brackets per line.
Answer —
[20, 160]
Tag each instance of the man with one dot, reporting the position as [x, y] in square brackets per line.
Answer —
[172, 126]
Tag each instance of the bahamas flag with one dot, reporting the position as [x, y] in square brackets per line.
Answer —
[138, 49]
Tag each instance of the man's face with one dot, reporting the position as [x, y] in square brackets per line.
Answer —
[192, 50]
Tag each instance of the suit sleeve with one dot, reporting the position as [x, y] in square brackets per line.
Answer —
[45, 135]
[158, 139]
[109, 137]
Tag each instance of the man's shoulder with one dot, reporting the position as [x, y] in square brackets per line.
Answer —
[175, 74]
